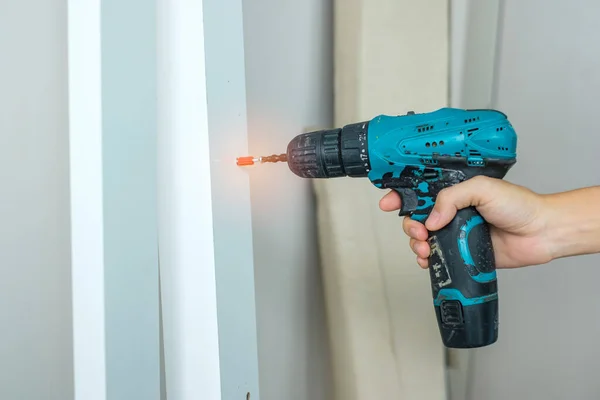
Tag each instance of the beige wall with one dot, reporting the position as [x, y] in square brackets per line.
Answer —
[391, 57]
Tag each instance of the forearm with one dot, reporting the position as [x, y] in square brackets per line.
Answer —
[573, 226]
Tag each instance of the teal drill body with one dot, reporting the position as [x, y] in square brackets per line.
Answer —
[418, 155]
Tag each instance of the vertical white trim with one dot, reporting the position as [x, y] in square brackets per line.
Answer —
[87, 227]
[230, 185]
[205, 232]
[112, 109]
[185, 207]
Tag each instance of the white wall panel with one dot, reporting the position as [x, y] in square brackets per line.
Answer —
[207, 274]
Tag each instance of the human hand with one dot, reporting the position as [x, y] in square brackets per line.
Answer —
[516, 215]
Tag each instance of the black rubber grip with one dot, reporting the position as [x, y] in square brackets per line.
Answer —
[463, 281]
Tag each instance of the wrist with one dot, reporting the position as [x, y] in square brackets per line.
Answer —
[572, 222]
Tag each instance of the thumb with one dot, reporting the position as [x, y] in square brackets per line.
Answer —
[471, 192]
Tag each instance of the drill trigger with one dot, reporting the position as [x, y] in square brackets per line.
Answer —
[408, 201]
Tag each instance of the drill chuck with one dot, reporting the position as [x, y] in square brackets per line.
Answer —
[331, 153]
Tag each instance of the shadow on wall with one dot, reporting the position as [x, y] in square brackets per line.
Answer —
[289, 87]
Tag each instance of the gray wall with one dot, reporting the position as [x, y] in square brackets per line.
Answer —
[35, 291]
[548, 82]
[289, 88]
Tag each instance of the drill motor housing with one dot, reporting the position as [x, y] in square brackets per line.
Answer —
[418, 155]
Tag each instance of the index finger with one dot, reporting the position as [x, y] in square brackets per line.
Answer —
[390, 202]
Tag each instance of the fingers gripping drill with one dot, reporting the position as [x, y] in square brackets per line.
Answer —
[418, 155]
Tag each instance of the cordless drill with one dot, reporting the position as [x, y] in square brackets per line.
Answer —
[418, 155]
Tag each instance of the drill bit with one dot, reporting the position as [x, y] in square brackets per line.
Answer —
[251, 160]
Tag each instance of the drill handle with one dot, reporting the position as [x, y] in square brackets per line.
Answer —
[463, 281]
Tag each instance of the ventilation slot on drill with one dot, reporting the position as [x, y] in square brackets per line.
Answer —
[424, 128]
[474, 153]
[428, 161]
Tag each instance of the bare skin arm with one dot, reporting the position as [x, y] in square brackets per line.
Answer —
[527, 228]
[574, 226]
